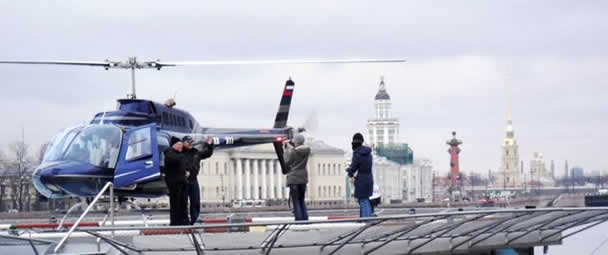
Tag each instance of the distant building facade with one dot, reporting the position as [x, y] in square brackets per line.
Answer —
[383, 130]
[538, 171]
[391, 156]
[577, 172]
[418, 179]
[387, 176]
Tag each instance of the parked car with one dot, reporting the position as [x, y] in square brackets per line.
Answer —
[486, 202]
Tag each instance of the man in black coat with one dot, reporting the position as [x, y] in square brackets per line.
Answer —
[193, 158]
[175, 177]
[361, 164]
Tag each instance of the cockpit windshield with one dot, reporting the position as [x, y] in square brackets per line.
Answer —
[95, 144]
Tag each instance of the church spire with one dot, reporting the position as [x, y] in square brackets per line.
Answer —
[510, 133]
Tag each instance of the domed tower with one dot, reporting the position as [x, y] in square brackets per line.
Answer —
[383, 130]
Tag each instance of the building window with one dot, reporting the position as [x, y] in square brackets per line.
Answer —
[217, 190]
[217, 168]
[319, 169]
[225, 168]
[319, 193]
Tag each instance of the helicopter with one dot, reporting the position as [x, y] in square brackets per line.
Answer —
[125, 146]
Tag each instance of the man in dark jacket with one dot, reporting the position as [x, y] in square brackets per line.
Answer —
[193, 158]
[175, 177]
[361, 164]
[296, 158]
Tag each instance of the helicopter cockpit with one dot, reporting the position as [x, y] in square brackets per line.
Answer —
[97, 145]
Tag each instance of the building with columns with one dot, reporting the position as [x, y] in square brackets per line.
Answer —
[254, 173]
[509, 172]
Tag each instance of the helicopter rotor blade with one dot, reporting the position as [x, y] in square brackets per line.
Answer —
[132, 63]
[73, 63]
[269, 62]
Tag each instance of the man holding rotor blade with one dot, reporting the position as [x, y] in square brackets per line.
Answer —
[192, 158]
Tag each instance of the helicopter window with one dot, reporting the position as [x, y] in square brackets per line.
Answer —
[191, 126]
[135, 106]
[60, 143]
[165, 118]
[139, 144]
[95, 144]
[163, 144]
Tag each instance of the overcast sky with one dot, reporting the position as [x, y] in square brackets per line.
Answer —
[461, 57]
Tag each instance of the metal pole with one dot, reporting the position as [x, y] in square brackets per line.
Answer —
[86, 211]
[133, 80]
[112, 207]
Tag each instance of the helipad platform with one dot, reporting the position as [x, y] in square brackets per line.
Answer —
[465, 232]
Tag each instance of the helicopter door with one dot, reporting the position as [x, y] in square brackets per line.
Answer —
[139, 158]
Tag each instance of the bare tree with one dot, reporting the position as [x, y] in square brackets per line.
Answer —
[38, 198]
[18, 175]
[42, 151]
[3, 178]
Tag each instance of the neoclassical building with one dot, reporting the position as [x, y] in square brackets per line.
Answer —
[387, 176]
[418, 179]
[254, 173]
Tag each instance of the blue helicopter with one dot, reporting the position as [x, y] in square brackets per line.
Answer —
[125, 146]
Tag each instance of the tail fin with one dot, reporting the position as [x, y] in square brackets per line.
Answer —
[281, 120]
[283, 113]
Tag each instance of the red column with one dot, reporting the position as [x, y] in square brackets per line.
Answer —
[454, 166]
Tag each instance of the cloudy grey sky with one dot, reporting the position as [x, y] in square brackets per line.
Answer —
[461, 56]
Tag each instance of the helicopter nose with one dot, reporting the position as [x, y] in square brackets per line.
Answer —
[46, 172]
